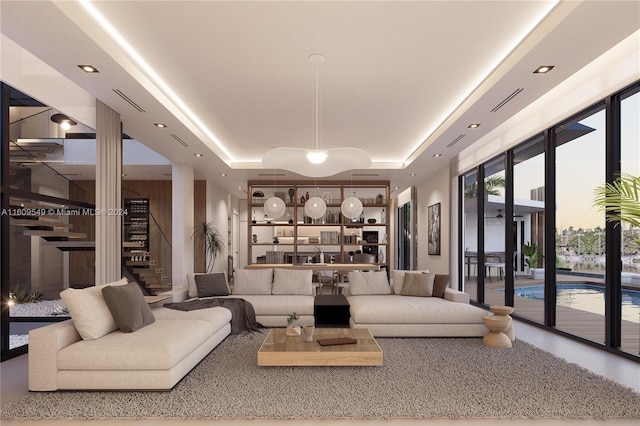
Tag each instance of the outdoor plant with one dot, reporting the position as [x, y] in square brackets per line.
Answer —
[292, 318]
[620, 200]
[530, 252]
[207, 235]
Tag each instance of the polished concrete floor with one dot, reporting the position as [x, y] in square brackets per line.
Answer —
[13, 378]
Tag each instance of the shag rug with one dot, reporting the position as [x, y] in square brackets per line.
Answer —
[421, 379]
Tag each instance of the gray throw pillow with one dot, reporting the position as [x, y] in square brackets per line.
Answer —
[212, 285]
[128, 307]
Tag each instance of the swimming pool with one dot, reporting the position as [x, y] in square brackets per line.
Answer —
[586, 297]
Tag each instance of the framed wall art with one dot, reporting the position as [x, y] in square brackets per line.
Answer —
[434, 228]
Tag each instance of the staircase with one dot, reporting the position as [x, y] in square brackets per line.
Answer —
[146, 270]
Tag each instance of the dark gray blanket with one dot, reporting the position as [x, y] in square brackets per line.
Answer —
[243, 317]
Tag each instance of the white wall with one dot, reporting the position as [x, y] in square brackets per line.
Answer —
[435, 190]
[218, 213]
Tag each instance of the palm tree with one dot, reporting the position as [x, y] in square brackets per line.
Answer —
[206, 234]
[491, 187]
[620, 200]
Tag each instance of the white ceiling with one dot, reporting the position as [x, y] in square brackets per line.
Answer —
[401, 80]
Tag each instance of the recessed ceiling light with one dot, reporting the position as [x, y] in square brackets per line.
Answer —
[161, 125]
[543, 69]
[88, 69]
[437, 155]
[412, 174]
[396, 187]
[198, 155]
[223, 174]
[473, 125]
[239, 187]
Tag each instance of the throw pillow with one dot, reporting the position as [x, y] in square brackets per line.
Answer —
[292, 281]
[397, 277]
[90, 314]
[418, 285]
[191, 283]
[361, 283]
[128, 307]
[212, 285]
[440, 284]
[252, 281]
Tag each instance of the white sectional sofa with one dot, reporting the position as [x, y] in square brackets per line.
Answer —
[274, 293]
[154, 357]
[388, 311]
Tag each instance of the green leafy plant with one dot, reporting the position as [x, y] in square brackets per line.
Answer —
[492, 186]
[620, 200]
[20, 294]
[292, 318]
[530, 252]
[207, 235]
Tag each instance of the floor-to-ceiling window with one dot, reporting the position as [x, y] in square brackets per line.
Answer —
[630, 250]
[528, 228]
[580, 238]
[568, 274]
[494, 220]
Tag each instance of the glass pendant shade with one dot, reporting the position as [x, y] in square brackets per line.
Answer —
[315, 207]
[274, 207]
[351, 208]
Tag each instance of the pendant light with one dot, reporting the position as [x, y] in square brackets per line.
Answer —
[315, 207]
[274, 207]
[351, 207]
[316, 162]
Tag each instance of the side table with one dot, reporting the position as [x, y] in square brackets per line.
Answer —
[496, 324]
[331, 310]
[504, 311]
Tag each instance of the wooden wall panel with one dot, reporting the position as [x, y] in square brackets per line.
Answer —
[199, 216]
[82, 264]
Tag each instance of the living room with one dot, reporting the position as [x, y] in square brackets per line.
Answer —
[210, 188]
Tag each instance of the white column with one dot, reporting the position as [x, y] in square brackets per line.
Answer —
[181, 224]
[108, 195]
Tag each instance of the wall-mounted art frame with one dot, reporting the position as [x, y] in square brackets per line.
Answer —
[434, 228]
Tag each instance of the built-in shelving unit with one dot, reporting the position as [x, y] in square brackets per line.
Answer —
[297, 238]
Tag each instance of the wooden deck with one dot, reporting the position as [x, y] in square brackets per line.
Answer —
[585, 324]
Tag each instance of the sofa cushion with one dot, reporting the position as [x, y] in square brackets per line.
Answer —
[418, 285]
[91, 315]
[282, 305]
[440, 284]
[292, 281]
[375, 282]
[159, 346]
[218, 316]
[128, 307]
[396, 309]
[212, 285]
[397, 278]
[191, 284]
[252, 281]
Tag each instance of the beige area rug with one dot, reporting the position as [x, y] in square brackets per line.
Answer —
[420, 379]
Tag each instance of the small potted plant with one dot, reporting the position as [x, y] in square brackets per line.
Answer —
[292, 329]
[379, 199]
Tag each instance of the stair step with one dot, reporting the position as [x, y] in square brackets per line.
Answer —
[130, 244]
[53, 234]
[40, 224]
[138, 263]
[136, 253]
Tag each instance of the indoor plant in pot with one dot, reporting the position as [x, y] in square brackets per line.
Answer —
[292, 329]
[207, 235]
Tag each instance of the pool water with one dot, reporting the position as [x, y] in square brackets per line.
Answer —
[585, 297]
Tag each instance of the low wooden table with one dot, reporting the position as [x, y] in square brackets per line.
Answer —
[281, 350]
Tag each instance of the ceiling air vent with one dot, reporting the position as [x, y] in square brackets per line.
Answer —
[366, 174]
[456, 140]
[272, 174]
[128, 100]
[183, 143]
[507, 99]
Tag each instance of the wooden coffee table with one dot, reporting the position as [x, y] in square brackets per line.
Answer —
[281, 350]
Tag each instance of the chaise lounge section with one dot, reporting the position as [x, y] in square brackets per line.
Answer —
[427, 309]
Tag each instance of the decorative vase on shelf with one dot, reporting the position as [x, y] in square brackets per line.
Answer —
[291, 194]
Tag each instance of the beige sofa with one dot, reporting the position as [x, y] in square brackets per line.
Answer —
[387, 312]
[154, 357]
[275, 293]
